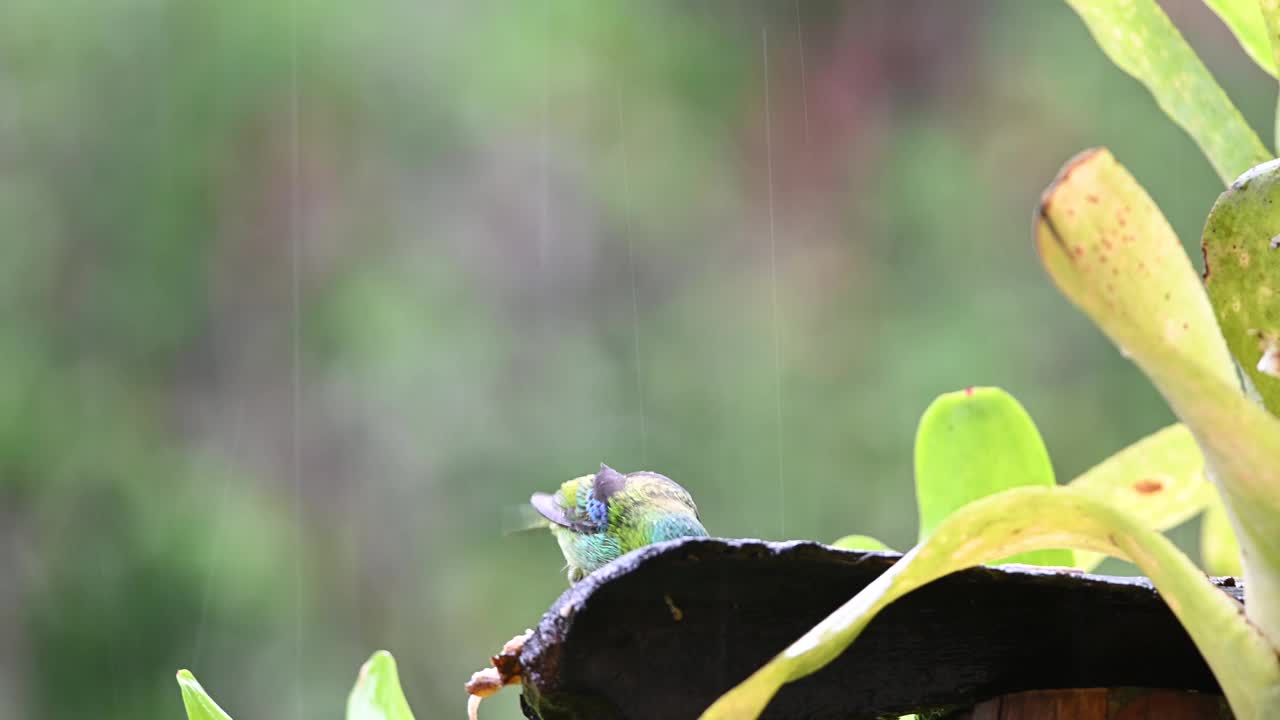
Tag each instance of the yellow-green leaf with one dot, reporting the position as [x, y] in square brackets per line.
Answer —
[1242, 258]
[1269, 18]
[974, 443]
[1111, 252]
[1246, 23]
[377, 694]
[1141, 40]
[859, 542]
[1159, 481]
[1219, 551]
[1022, 520]
[197, 702]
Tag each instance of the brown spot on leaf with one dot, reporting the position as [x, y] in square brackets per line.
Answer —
[968, 392]
[1093, 199]
[1147, 486]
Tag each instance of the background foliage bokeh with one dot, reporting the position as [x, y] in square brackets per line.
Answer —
[299, 300]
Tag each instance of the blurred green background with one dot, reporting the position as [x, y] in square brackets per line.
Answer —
[297, 301]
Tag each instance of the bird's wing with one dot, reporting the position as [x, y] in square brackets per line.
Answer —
[663, 488]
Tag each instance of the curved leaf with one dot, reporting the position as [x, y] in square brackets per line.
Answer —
[1140, 39]
[197, 702]
[1219, 551]
[1111, 252]
[859, 542]
[377, 694]
[1159, 481]
[1243, 274]
[1246, 23]
[1270, 20]
[1022, 520]
[974, 443]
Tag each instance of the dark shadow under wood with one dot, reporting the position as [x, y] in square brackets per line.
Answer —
[663, 631]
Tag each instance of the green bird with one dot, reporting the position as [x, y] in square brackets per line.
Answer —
[598, 518]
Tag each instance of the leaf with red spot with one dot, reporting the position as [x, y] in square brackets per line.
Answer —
[974, 443]
[1158, 480]
[1157, 311]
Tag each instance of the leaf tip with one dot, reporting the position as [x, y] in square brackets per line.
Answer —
[378, 661]
[1080, 159]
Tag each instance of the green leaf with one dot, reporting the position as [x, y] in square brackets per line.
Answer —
[1111, 252]
[1246, 23]
[1219, 551]
[1269, 24]
[974, 443]
[1140, 39]
[859, 542]
[1022, 520]
[197, 702]
[1159, 481]
[377, 694]
[1243, 275]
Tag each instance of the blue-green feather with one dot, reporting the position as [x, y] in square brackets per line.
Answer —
[597, 518]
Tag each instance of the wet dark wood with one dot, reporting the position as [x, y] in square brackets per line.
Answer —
[664, 631]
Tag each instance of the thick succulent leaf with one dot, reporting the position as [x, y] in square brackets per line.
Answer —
[1141, 40]
[1159, 481]
[1219, 551]
[1108, 248]
[1246, 23]
[859, 542]
[1022, 520]
[1241, 245]
[974, 443]
[197, 702]
[377, 694]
